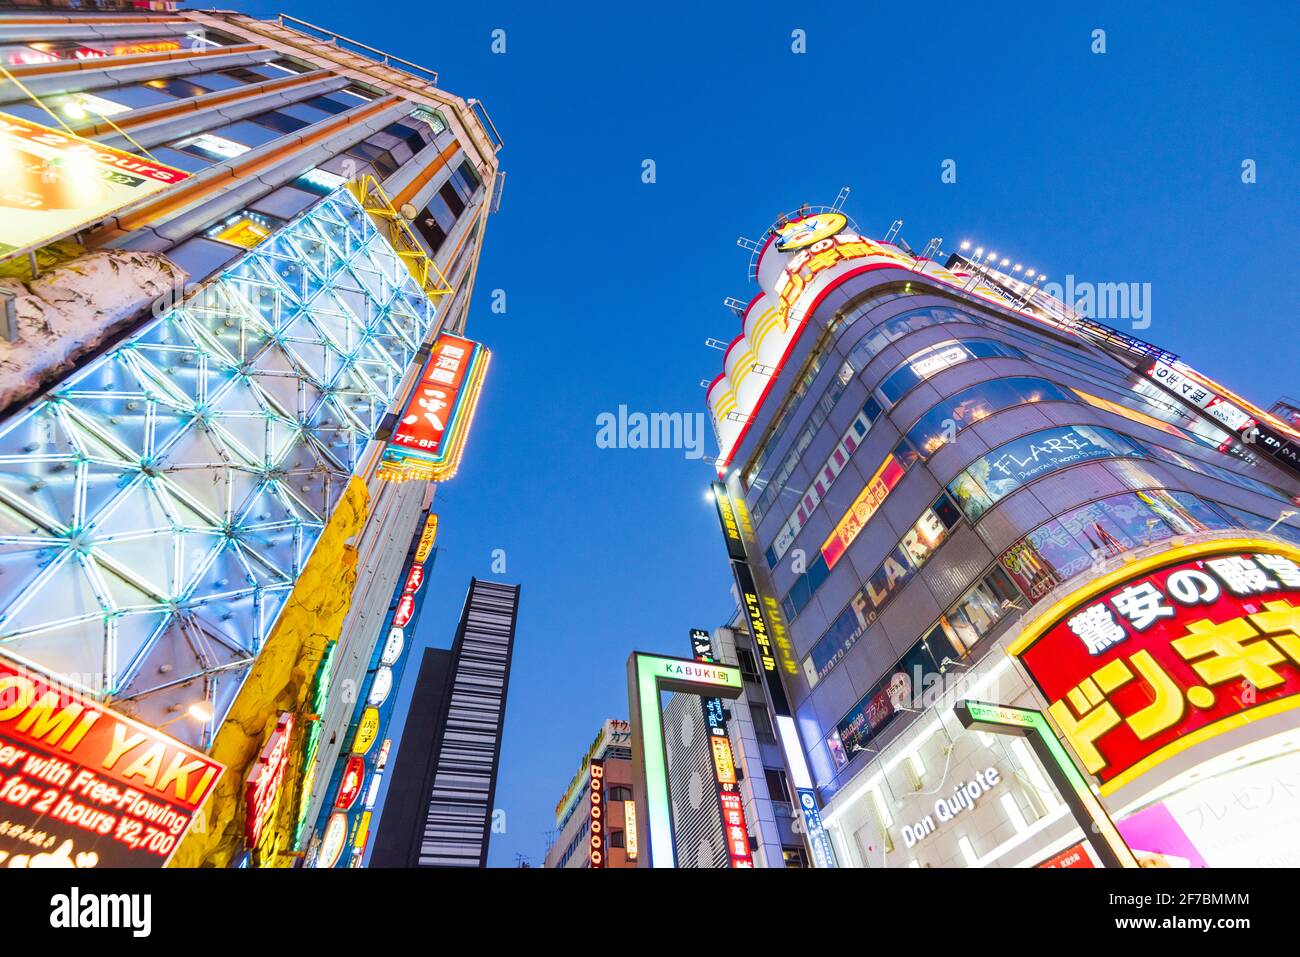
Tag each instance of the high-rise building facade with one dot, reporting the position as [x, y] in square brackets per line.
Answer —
[947, 486]
[439, 808]
[733, 805]
[595, 820]
[230, 249]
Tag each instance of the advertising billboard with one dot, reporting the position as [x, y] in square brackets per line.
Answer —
[870, 499]
[430, 435]
[1169, 652]
[55, 183]
[82, 786]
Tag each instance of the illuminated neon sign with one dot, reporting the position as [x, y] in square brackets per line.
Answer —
[56, 182]
[596, 794]
[1168, 652]
[263, 787]
[630, 847]
[432, 431]
[808, 230]
[869, 500]
[648, 676]
[730, 803]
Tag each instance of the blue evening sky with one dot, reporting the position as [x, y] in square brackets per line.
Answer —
[1122, 167]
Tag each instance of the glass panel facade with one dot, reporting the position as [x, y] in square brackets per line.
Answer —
[160, 503]
[898, 568]
[934, 359]
[941, 424]
[1081, 538]
[1006, 468]
[968, 621]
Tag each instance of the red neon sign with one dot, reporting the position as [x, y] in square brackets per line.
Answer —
[414, 579]
[83, 786]
[262, 789]
[428, 414]
[733, 823]
[405, 610]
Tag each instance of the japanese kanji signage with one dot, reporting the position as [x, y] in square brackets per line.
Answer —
[83, 786]
[868, 501]
[1169, 652]
[263, 786]
[1192, 391]
[430, 434]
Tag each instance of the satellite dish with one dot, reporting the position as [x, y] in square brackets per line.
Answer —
[408, 211]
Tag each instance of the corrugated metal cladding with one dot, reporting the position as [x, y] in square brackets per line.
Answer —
[458, 821]
[697, 820]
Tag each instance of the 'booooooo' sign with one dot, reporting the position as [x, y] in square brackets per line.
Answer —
[1169, 652]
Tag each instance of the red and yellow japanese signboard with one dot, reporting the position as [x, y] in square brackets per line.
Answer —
[1169, 652]
[868, 501]
[817, 257]
[733, 823]
[430, 435]
[83, 786]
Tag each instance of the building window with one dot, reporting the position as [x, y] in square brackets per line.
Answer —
[901, 325]
[1072, 543]
[777, 788]
[616, 839]
[179, 89]
[748, 668]
[835, 463]
[912, 551]
[934, 359]
[972, 618]
[618, 793]
[794, 857]
[941, 424]
[762, 722]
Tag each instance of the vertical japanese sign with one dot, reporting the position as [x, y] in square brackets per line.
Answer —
[818, 839]
[430, 435]
[596, 797]
[730, 803]
[82, 786]
[772, 645]
[1169, 652]
[264, 785]
[54, 183]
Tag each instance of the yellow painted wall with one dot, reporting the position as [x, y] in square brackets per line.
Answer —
[280, 681]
